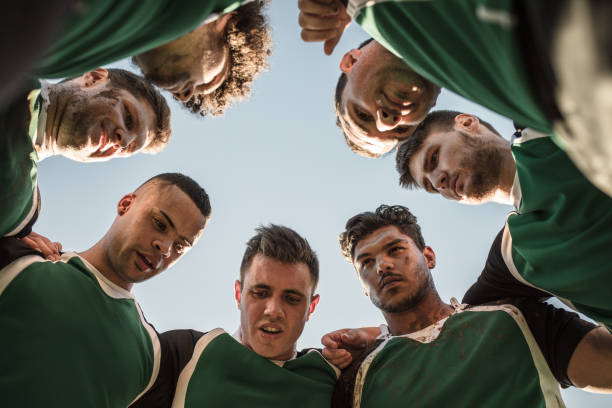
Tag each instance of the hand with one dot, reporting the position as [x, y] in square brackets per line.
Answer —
[323, 20]
[50, 250]
[342, 346]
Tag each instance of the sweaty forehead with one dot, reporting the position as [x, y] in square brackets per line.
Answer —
[375, 240]
[279, 276]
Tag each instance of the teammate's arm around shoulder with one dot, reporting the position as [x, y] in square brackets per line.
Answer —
[590, 366]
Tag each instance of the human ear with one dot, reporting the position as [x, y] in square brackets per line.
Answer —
[125, 203]
[222, 22]
[348, 60]
[314, 301]
[467, 122]
[95, 77]
[430, 257]
[237, 291]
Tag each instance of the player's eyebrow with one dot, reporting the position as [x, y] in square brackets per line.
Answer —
[294, 292]
[390, 244]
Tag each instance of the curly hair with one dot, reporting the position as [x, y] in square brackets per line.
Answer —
[363, 224]
[250, 45]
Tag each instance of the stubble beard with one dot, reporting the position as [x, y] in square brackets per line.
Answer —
[408, 302]
[484, 165]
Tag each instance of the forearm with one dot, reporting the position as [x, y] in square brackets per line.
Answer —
[590, 367]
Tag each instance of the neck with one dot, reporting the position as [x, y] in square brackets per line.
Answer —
[45, 142]
[428, 311]
[97, 256]
[503, 194]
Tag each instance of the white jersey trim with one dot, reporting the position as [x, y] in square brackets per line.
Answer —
[337, 371]
[156, 351]
[528, 135]
[354, 7]
[35, 207]
[10, 272]
[506, 252]
[548, 383]
[187, 372]
[110, 288]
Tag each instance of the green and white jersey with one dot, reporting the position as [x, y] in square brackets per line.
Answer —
[483, 355]
[469, 47]
[103, 31]
[19, 197]
[70, 337]
[559, 238]
[216, 370]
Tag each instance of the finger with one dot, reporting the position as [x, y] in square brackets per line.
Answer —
[58, 246]
[319, 35]
[320, 7]
[335, 354]
[318, 23]
[329, 342]
[31, 243]
[47, 248]
[330, 45]
[342, 364]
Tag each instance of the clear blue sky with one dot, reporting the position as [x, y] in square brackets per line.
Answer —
[276, 158]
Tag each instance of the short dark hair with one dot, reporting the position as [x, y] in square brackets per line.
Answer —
[143, 89]
[188, 186]
[342, 80]
[363, 224]
[435, 120]
[250, 44]
[283, 245]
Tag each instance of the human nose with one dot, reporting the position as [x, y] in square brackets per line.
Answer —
[122, 138]
[383, 264]
[387, 119]
[163, 246]
[440, 180]
[273, 308]
[185, 93]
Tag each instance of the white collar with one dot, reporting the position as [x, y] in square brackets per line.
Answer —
[426, 334]
[515, 193]
[110, 288]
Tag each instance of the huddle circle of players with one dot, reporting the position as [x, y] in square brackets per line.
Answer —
[501, 346]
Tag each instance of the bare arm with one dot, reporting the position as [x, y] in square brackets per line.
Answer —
[590, 366]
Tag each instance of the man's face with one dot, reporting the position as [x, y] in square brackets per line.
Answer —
[155, 226]
[459, 165]
[196, 63]
[384, 99]
[98, 122]
[393, 271]
[275, 301]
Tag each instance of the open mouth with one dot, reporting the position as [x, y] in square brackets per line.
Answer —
[271, 330]
[144, 263]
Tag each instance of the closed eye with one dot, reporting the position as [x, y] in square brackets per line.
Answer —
[128, 118]
[260, 294]
[294, 300]
[364, 116]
